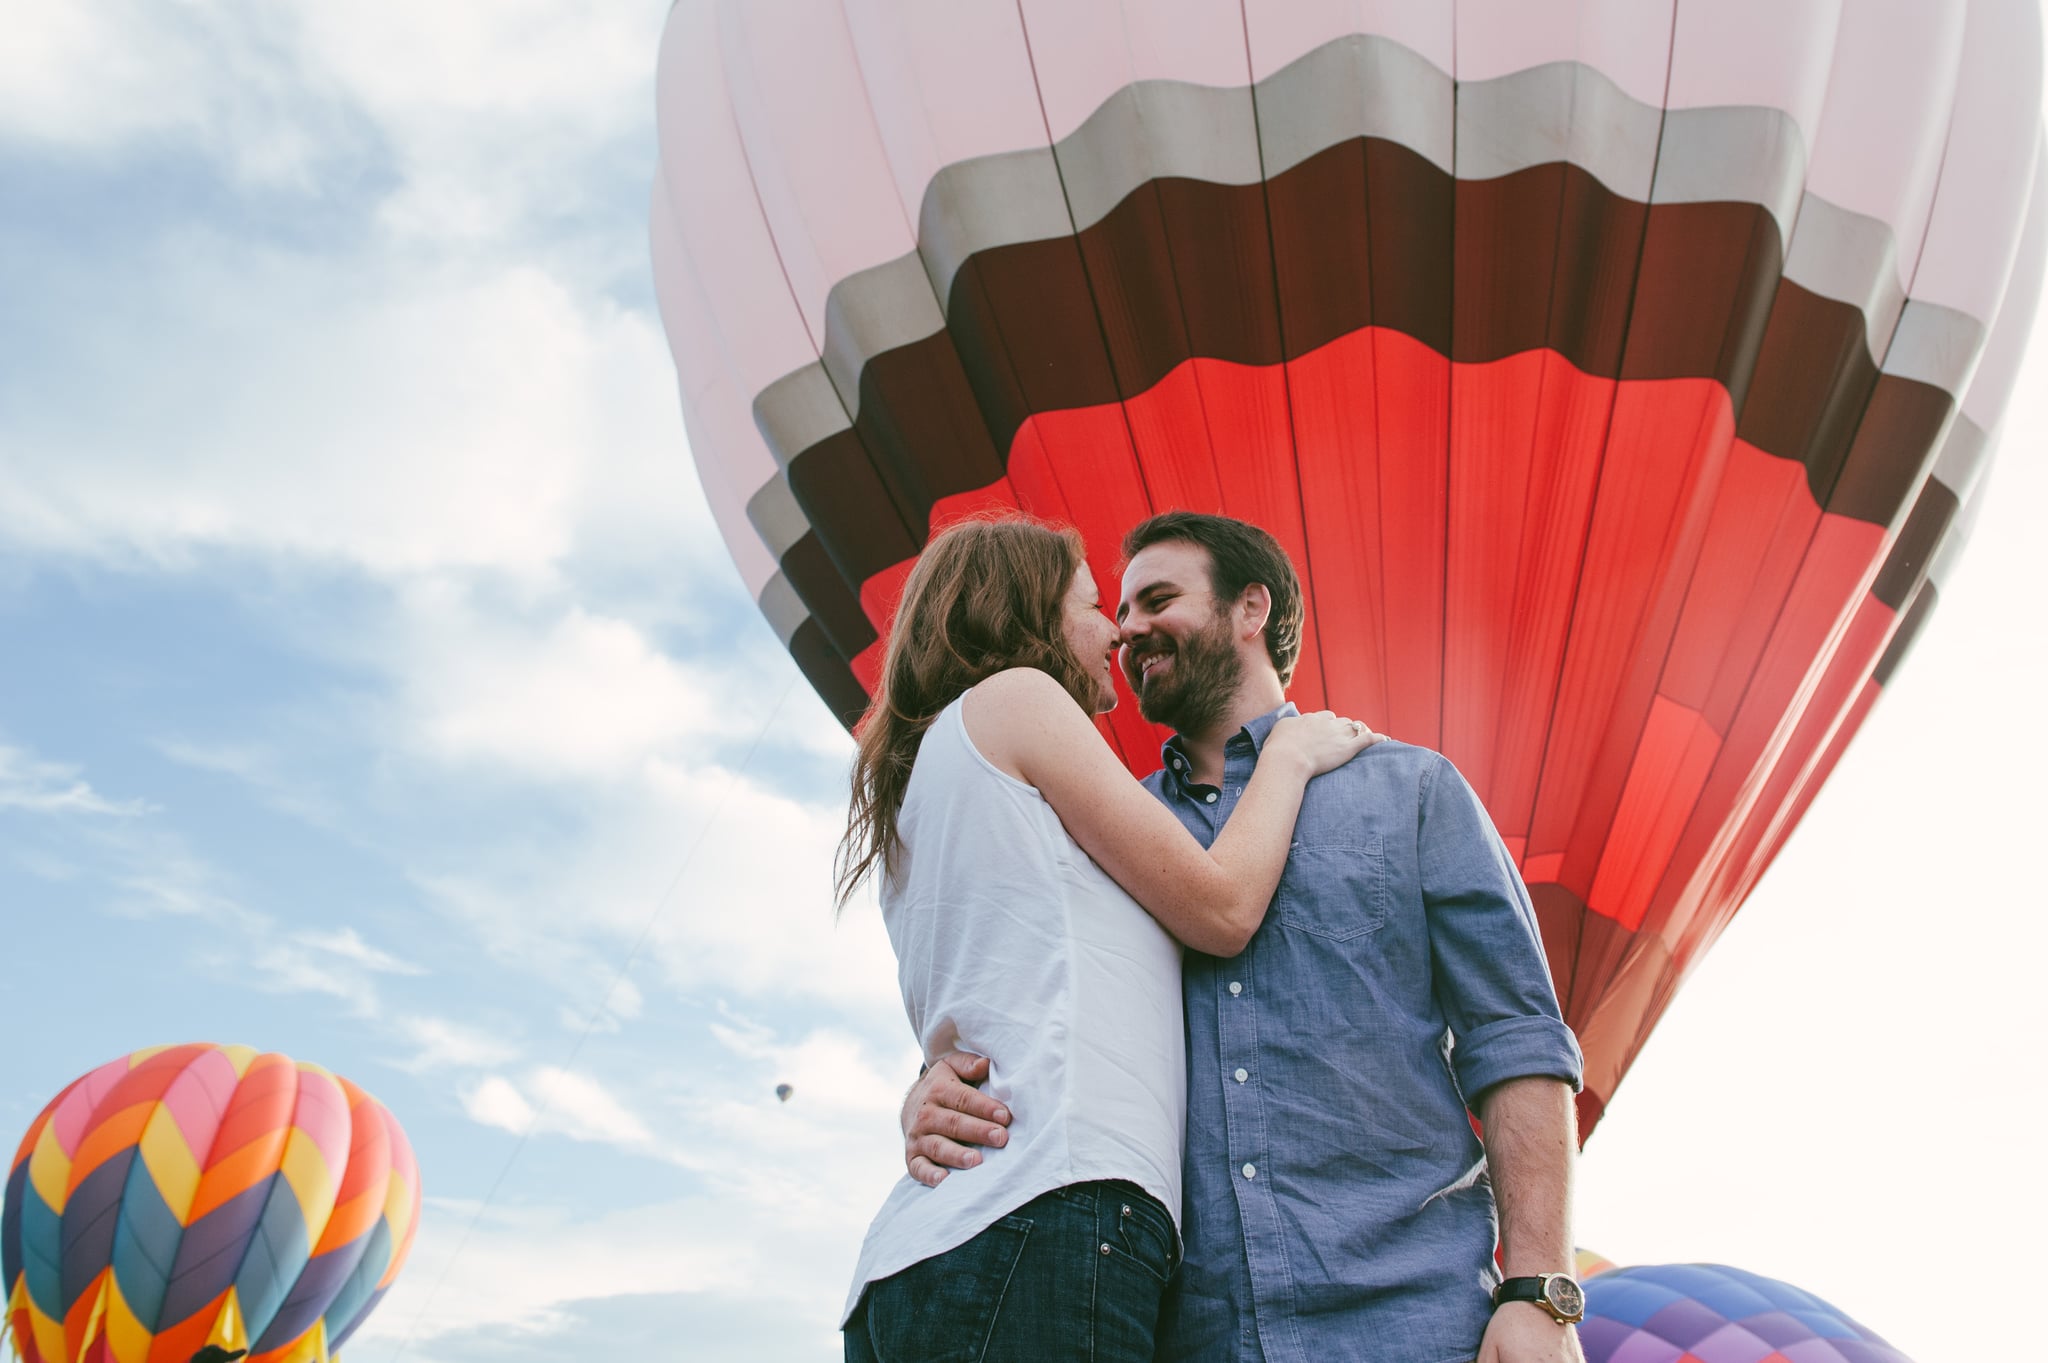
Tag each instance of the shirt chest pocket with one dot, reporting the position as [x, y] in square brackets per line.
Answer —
[1334, 890]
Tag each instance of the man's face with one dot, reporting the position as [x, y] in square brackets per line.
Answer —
[1180, 650]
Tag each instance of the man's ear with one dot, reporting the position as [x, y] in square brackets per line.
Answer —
[1254, 608]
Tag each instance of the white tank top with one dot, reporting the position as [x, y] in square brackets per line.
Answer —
[1012, 943]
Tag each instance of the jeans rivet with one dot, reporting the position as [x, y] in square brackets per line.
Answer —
[1105, 1247]
[1126, 1209]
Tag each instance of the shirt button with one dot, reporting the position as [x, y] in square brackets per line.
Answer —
[1241, 1075]
[1236, 988]
[1251, 1171]
[1210, 797]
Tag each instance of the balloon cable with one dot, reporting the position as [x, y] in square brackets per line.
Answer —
[546, 1104]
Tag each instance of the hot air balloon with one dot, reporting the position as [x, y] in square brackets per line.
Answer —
[1619, 372]
[1671, 1313]
[192, 1196]
[782, 1092]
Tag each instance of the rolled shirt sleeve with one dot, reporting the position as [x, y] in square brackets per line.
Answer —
[1487, 952]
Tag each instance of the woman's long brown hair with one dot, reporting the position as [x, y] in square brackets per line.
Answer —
[986, 595]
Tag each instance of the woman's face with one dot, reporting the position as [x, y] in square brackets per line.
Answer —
[1092, 635]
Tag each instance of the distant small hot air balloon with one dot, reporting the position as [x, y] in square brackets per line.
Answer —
[202, 1202]
[1709, 1311]
[783, 1091]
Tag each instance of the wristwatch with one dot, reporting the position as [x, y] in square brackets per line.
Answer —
[1557, 1293]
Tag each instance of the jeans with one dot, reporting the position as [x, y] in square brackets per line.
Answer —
[1077, 1274]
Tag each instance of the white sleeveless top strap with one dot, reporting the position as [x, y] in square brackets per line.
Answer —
[1011, 943]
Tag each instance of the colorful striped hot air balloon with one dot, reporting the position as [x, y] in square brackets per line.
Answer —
[1620, 373]
[192, 1195]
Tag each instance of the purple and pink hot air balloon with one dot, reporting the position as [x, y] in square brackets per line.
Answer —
[1708, 1313]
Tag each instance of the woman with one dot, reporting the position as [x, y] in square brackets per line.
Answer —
[1019, 865]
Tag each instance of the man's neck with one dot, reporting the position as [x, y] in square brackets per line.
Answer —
[1259, 694]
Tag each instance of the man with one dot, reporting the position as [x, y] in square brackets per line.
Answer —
[1338, 1204]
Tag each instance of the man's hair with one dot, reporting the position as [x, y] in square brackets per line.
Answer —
[1240, 554]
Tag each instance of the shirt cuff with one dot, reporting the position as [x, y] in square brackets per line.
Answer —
[1517, 1048]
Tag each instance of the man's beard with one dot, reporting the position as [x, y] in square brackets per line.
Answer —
[1194, 693]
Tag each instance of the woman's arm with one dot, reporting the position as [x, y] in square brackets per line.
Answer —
[1026, 723]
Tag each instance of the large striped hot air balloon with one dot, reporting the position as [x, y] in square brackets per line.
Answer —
[193, 1195]
[1620, 372]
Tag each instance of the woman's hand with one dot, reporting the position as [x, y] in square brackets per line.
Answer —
[1321, 741]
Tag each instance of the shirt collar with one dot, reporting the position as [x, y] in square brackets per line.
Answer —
[1254, 731]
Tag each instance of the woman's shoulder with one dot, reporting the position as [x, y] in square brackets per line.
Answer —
[1016, 699]
[1016, 712]
[1023, 684]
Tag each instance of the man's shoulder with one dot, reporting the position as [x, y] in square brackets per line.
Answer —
[1391, 758]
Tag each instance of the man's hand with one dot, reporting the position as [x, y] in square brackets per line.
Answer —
[1523, 1332]
[945, 1117]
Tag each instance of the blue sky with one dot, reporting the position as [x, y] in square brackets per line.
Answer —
[376, 689]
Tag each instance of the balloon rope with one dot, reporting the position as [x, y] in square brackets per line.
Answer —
[546, 1104]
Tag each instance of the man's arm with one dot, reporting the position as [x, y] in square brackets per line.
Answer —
[1531, 1132]
[945, 1118]
[1514, 1056]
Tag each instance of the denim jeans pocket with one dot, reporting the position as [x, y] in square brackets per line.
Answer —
[943, 1309]
[1145, 1236]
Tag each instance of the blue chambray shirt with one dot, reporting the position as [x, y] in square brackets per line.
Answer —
[1336, 1201]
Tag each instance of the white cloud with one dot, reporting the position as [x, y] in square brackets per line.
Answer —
[338, 965]
[97, 75]
[621, 1003]
[729, 880]
[783, 1192]
[283, 967]
[31, 785]
[152, 874]
[271, 774]
[439, 1043]
[452, 400]
[754, 912]
[520, 1271]
[348, 944]
[830, 1071]
[475, 103]
[497, 1102]
[576, 695]
[556, 1101]
[489, 108]
[584, 1110]
[429, 420]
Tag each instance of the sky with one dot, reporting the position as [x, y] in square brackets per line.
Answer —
[375, 688]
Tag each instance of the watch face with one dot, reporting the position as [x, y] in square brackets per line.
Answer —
[1565, 1296]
